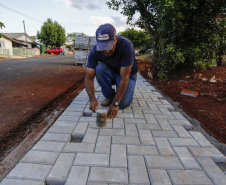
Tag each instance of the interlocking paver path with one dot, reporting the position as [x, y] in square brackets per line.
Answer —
[148, 143]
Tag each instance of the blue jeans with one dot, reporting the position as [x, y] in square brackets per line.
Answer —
[106, 78]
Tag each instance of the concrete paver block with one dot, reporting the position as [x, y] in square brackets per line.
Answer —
[118, 123]
[61, 129]
[181, 131]
[127, 140]
[163, 162]
[141, 150]
[201, 139]
[103, 144]
[131, 130]
[212, 153]
[91, 159]
[159, 177]
[27, 171]
[7, 181]
[213, 171]
[167, 134]
[183, 142]
[186, 158]
[111, 132]
[150, 118]
[65, 124]
[118, 156]
[178, 115]
[189, 177]
[108, 175]
[137, 170]
[164, 146]
[40, 157]
[164, 124]
[49, 146]
[90, 136]
[134, 120]
[80, 130]
[78, 175]
[146, 137]
[56, 137]
[148, 126]
[60, 170]
[184, 123]
[79, 147]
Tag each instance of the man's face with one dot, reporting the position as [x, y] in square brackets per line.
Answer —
[108, 53]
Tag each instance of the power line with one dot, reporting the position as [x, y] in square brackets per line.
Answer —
[20, 13]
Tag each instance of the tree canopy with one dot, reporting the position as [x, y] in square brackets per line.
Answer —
[1, 25]
[183, 31]
[52, 34]
[137, 37]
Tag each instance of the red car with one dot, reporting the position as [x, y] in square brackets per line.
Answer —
[54, 50]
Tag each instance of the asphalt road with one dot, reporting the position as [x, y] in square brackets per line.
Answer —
[28, 85]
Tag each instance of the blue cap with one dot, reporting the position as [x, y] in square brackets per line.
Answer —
[105, 36]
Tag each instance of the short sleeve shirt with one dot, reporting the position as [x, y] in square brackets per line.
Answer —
[122, 57]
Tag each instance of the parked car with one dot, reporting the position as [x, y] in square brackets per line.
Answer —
[54, 50]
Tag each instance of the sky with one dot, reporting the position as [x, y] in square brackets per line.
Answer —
[73, 15]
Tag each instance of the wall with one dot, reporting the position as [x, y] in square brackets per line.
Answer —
[7, 44]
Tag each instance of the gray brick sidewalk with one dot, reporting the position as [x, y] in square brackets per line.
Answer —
[148, 143]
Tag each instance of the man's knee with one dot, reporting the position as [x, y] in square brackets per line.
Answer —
[125, 103]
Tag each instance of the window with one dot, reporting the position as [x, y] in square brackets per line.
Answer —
[53, 49]
[2, 44]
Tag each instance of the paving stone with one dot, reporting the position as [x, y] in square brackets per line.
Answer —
[141, 150]
[183, 142]
[61, 129]
[87, 119]
[164, 116]
[90, 136]
[112, 132]
[164, 146]
[150, 118]
[169, 107]
[167, 134]
[146, 137]
[148, 111]
[138, 114]
[103, 144]
[78, 174]
[186, 158]
[127, 140]
[181, 131]
[79, 147]
[201, 139]
[124, 115]
[153, 107]
[60, 170]
[165, 102]
[134, 120]
[148, 126]
[131, 130]
[118, 123]
[72, 113]
[118, 156]
[40, 157]
[184, 123]
[68, 118]
[164, 124]
[65, 123]
[137, 170]
[213, 171]
[49, 146]
[189, 177]
[80, 130]
[108, 175]
[27, 171]
[7, 181]
[56, 137]
[142, 103]
[163, 162]
[165, 111]
[159, 177]
[212, 153]
[178, 115]
[87, 159]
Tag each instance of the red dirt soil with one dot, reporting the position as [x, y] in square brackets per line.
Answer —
[209, 107]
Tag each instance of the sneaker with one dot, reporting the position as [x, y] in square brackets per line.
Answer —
[106, 102]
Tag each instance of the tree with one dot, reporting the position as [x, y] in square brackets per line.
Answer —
[182, 30]
[34, 38]
[71, 38]
[1, 25]
[137, 37]
[52, 34]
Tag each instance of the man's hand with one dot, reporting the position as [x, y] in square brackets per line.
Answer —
[94, 105]
[112, 112]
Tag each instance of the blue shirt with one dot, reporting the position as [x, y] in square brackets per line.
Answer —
[123, 56]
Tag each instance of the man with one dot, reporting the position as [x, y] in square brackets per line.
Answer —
[113, 62]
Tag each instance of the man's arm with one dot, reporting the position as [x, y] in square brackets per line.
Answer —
[124, 74]
[89, 84]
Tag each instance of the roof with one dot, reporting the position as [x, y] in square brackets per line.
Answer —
[15, 41]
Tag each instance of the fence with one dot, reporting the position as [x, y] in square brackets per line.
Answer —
[4, 52]
[23, 51]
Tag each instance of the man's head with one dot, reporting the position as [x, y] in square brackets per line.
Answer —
[106, 39]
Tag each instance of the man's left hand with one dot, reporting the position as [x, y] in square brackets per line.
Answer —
[112, 112]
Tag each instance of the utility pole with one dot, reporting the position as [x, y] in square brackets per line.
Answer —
[25, 33]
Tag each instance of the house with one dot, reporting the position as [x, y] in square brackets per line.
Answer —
[12, 44]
